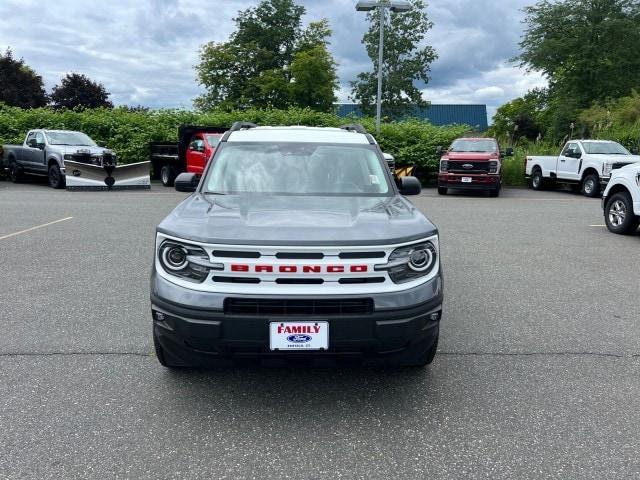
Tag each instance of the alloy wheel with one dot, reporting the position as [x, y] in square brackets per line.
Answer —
[617, 213]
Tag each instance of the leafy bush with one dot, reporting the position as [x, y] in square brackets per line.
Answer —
[129, 131]
[617, 120]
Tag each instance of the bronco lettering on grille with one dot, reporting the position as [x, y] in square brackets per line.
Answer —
[240, 267]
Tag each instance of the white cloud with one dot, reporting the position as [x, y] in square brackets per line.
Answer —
[506, 82]
[489, 93]
[144, 51]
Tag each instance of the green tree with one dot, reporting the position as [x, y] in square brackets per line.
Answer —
[405, 61]
[76, 90]
[314, 79]
[586, 48]
[523, 117]
[20, 86]
[266, 61]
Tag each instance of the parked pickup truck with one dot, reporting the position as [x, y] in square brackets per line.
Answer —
[621, 200]
[472, 164]
[192, 152]
[44, 151]
[584, 165]
[296, 244]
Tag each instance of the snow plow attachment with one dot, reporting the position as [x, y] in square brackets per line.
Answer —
[84, 176]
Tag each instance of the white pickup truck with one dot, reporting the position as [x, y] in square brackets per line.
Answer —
[584, 165]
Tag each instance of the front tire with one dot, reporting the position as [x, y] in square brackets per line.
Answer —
[56, 179]
[160, 353]
[442, 190]
[167, 175]
[422, 355]
[591, 186]
[618, 214]
[495, 192]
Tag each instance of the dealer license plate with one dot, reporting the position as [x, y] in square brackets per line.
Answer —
[299, 335]
[466, 179]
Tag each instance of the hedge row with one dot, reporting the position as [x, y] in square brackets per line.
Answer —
[128, 132]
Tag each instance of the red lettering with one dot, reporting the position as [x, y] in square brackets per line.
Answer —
[335, 269]
[311, 269]
[316, 329]
[239, 268]
[264, 268]
[359, 268]
[288, 269]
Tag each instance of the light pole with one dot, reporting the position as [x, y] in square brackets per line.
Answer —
[382, 6]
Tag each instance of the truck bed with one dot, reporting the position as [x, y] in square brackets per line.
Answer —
[547, 164]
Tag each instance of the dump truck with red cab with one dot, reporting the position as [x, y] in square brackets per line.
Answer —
[196, 145]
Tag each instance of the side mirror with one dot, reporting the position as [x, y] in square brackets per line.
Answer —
[40, 146]
[32, 143]
[508, 152]
[439, 150]
[410, 186]
[186, 182]
[200, 148]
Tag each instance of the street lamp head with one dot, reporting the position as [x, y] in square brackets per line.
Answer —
[366, 5]
[400, 6]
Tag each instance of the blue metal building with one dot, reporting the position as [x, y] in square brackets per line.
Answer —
[473, 115]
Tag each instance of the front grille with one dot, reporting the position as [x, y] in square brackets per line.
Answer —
[291, 307]
[456, 166]
[82, 158]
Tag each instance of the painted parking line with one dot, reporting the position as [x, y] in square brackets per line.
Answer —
[597, 225]
[35, 228]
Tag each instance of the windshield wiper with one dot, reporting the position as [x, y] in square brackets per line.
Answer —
[213, 193]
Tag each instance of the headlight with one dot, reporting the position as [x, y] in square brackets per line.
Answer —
[412, 261]
[68, 156]
[444, 165]
[493, 166]
[638, 179]
[186, 261]
[606, 169]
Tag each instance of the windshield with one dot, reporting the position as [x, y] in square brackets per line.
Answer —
[69, 138]
[480, 146]
[213, 140]
[297, 169]
[605, 148]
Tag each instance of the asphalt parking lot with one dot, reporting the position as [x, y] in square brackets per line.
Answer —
[537, 375]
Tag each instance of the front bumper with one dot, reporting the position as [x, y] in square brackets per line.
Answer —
[191, 334]
[478, 182]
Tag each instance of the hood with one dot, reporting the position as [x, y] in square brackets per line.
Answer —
[471, 156]
[631, 168]
[618, 158]
[293, 220]
[73, 149]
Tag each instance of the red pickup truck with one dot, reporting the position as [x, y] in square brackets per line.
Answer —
[472, 164]
[191, 154]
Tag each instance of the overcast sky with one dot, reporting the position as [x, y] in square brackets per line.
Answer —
[143, 51]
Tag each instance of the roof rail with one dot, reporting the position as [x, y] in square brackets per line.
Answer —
[354, 127]
[242, 126]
